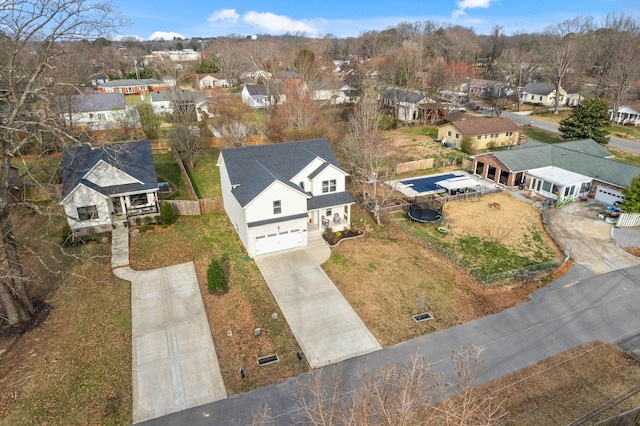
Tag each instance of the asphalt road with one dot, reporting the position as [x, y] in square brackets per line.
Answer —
[627, 145]
[569, 312]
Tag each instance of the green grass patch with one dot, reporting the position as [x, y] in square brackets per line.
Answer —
[422, 131]
[625, 156]
[624, 132]
[543, 135]
[483, 258]
[167, 170]
[206, 176]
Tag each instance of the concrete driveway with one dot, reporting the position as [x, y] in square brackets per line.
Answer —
[174, 361]
[590, 237]
[325, 325]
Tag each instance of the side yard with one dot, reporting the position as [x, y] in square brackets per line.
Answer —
[386, 273]
[73, 364]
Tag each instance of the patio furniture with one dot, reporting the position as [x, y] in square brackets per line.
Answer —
[336, 218]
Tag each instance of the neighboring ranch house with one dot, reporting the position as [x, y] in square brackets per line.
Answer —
[541, 94]
[210, 81]
[106, 184]
[487, 88]
[95, 111]
[333, 92]
[484, 132]
[629, 113]
[404, 105]
[164, 102]
[562, 171]
[256, 96]
[133, 87]
[273, 194]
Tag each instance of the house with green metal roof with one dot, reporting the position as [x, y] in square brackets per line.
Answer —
[561, 171]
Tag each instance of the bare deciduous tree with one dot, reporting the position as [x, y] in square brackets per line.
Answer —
[618, 47]
[562, 46]
[368, 155]
[399, 394]
[32, 32]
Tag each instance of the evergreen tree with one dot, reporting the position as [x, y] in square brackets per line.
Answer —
[589, 120]
[631, 203]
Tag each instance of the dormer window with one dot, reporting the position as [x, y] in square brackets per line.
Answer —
[329, 186]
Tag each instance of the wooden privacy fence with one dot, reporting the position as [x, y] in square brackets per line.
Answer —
[185, 176]
[195, 208]
[628, 220]
[412, 166]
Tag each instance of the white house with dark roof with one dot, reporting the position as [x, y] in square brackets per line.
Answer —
[94, 111]
[542, 94]
[101, 185]
[256, 96]
[274, 194]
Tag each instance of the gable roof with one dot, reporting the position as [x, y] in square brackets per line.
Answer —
[485, 126]
[252, 169]
[630, 107]
[216, 75]
[91, 102]
[538, 89]
[256, 89]
[133, 82]
[182, 95]
[584, 156]
[133, 158]
[401, 95]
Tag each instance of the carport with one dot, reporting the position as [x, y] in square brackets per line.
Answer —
[457, 183]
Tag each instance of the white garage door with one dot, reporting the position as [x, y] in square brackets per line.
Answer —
[608, 195]
[281, 241]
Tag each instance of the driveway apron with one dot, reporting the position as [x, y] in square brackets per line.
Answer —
[174, 361]
[325, 325]
[590, 237]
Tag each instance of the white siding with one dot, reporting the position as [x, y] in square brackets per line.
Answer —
[83, 197]
[292, 202]
[330, 173]
[233, 209]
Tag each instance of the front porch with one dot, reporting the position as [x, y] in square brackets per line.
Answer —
[335, 218]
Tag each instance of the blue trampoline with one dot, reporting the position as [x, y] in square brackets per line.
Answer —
[427, 183]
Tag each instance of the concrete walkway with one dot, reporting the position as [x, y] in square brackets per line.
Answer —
[325, 325]
[175, 366]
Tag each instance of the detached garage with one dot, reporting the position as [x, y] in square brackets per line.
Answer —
[608, 195]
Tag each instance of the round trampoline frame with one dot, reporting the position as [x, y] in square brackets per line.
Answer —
[424, 215]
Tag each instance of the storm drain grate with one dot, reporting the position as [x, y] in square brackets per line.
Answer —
[422, 317]
[269, 359]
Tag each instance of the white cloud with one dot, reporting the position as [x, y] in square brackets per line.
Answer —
[224, 16]
[165, 35]
[273, 23]
[469, 4]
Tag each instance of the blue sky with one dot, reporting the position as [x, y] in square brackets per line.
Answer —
[202, 18]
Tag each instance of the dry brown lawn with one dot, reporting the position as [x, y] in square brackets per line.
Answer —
[567, 386]
[384, 274]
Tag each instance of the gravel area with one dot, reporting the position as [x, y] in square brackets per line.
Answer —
[626, 237]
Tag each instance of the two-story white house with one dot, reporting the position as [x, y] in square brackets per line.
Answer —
[275, 194]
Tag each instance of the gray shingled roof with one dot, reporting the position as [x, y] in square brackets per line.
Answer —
[133, 82]
[93, 102]
[585, 156]
[402, 95]
[252, 169]
[256, 89]
[538, 89]
[133, 158]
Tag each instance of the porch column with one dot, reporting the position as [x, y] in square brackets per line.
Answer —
[349, 215]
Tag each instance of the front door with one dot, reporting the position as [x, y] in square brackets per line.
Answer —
[117, 205]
